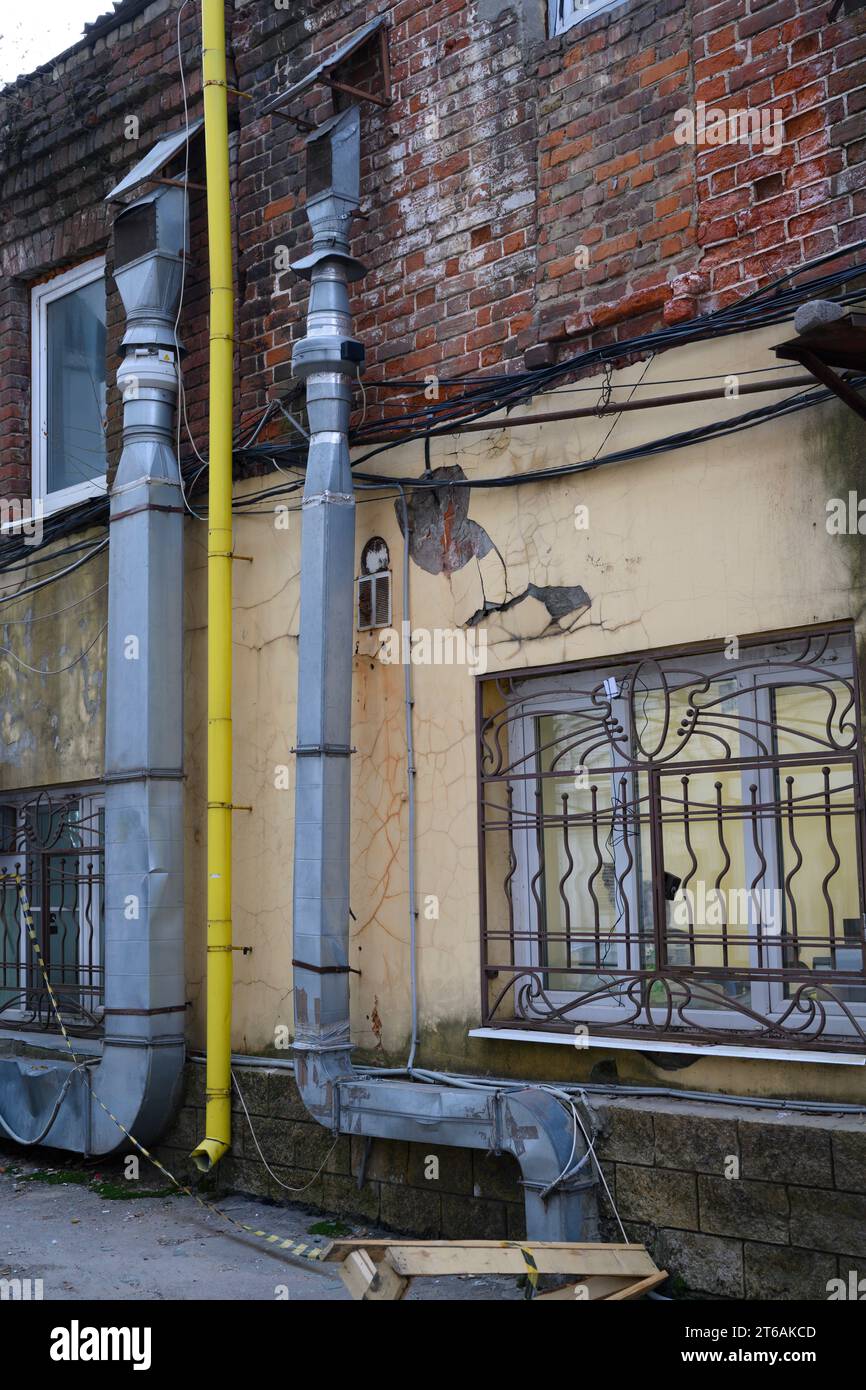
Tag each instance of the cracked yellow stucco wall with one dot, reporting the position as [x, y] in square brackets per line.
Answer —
[724, 538]
[52, 672]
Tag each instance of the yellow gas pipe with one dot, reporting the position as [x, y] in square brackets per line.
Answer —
[219, 570]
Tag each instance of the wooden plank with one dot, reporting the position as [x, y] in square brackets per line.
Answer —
[357, 1272]
[642, 1287]
[435, 1259]
[339, 1249]
[380, 1270]
[388, 1286]
[382, 1241]
[603, 1288]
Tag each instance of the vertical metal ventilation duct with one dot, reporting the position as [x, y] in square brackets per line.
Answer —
[328, 359]
[528, 1123]
[144, 965]
[138, 1076]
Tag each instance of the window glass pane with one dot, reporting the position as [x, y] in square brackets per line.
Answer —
[578, 896]
[707, 917]
[593, 890]
[76, 386]
[817, 843]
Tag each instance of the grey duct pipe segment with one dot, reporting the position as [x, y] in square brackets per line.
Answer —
[139, 1074]
[530, 1124]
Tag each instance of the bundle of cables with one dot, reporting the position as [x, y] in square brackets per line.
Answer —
[472, 399]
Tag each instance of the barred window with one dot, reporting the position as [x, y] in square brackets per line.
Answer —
[51, 883]
[672, 846]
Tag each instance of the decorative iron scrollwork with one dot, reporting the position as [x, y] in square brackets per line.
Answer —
[672, 846]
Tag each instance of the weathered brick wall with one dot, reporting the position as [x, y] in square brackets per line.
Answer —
[504, 156]
[62, 147]
[448, 192]
[787, 1219]
[14, 389]
[674, 229]
[525, 190]
[610, 177]
[761, 212]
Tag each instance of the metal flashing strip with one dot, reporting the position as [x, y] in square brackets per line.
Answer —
[156, 159]
[146, 774]
[324, 69]
[344, 499]
[325, 969]
[315, 750]
[587, 1041]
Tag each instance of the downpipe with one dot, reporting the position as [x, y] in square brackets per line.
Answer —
[530, 1124]
[219, 587]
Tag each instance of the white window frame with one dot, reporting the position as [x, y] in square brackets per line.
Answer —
[563, 15]
[40, 297]
[766, 996]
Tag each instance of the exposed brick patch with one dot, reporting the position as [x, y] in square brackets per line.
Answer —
[520, 193]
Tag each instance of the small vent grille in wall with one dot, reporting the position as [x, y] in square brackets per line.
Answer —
[374, 600]
[374, 586]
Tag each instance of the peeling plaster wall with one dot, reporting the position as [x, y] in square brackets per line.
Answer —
[725, 538]
[52, 726]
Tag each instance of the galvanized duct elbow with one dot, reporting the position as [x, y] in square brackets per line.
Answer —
[530, 1124]
[137, 1078]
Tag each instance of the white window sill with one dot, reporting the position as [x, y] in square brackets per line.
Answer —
[72, 496]
[585, 1042]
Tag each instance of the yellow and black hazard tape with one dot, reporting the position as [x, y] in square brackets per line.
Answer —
[531, 1267]
[296, 1248]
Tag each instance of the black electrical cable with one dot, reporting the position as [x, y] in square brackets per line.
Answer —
[523, 385]
[770, 305]
[803, 400]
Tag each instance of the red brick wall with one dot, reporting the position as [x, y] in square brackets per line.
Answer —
[759, 215]
[674, 229]
[610, 177]
[448, 186]
[504, 153]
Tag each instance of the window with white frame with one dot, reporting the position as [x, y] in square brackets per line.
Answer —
[673, 847]
[564, 14]
[68, 386]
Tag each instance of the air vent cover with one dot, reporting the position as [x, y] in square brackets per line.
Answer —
[374, 600]
[134, 233]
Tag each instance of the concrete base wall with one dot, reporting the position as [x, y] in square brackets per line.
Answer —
[736, 1202]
